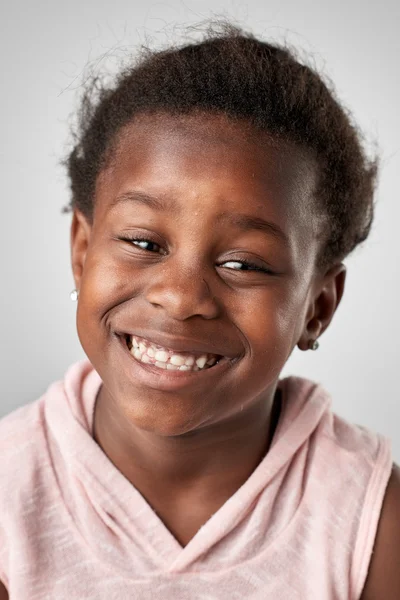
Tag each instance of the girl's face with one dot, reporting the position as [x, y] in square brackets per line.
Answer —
[203, 241]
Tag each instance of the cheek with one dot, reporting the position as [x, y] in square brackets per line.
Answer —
[102, 289]
[269, 322]
[104, 281]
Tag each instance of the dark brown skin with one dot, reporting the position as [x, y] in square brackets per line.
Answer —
[189, 450]
[383, 580]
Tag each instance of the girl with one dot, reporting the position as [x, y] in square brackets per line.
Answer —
[216, 190]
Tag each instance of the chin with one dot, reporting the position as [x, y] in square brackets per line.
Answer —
[162, 422]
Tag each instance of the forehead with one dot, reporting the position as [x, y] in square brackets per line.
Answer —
[193, 141]
[203, 161]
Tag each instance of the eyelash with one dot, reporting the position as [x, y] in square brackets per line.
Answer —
[243, 261]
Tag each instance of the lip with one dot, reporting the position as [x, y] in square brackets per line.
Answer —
[177, 344]
[166, 380]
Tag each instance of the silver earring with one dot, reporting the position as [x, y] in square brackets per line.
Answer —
[313, 345]
[74, 295]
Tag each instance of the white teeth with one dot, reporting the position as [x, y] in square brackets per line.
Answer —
[177, 360]
[160, 364]
[161, 356]
[164, 360]
[200, 362]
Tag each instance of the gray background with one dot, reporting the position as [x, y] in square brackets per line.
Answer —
[45, 46]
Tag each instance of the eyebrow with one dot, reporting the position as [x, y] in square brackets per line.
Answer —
[239, 220]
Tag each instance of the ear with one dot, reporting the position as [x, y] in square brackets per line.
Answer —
[327, 297]
[80, 236]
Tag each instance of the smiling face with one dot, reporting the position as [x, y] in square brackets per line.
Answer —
[201, 242]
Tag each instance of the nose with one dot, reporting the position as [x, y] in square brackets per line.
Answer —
[182, 292]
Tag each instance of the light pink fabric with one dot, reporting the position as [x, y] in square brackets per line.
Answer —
[301, 527]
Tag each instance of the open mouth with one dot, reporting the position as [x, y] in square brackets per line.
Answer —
[164, 358]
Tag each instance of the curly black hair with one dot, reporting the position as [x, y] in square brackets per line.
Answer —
[231, 72]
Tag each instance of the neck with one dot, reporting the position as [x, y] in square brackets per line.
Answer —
[224, 452]
[187, 478]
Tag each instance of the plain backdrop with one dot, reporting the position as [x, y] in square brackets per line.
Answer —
[45, 48]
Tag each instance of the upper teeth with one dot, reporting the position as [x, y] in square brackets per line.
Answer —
[147, 352]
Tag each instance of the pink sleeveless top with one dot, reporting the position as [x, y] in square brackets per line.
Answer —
[301, 527]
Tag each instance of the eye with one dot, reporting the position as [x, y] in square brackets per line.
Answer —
[143, 243]
[234, 265]
[146, 245]
[245, 265]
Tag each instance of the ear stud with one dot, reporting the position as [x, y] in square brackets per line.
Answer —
[74, 295]
[313, 345]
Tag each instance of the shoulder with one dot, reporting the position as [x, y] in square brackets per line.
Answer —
[19, 425]
[22, 444]
[383, 580]
[3, 592]
[24, 463]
